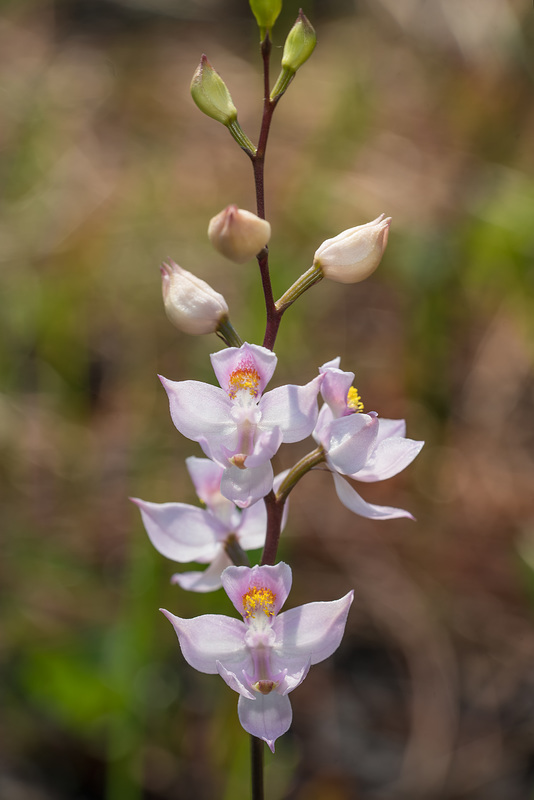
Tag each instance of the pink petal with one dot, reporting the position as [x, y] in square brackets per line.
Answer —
[207, 581]
[227, 361]
[234, 682]
[200, 410]
[349, 441]
[252, 529]
[352, 500]
[238, 580]
[246, 486]
[181, 532]
[291, 408]
[309, 633]
[390, 427]
[390, 457]
[335, 388]
[210, 638]
[267, 717]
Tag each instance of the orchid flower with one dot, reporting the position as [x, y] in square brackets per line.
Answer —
[267, 655]
[186, 533]
[238, 426]
[359, 445]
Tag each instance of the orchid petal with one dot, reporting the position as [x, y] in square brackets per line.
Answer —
[225, 362]
[309, 633]
[265, 447]
[253, 526]
[335, 388]
[291, 408]
[390, 427]
[211, 638]
[333, 364]
[246, 486]
[200, 410]
[268, 716]
[181, 532]
[207, 581]
[238, 580]
[352, 500]
[349, 442]
[234, 683]
[291, 681]
[390, 457]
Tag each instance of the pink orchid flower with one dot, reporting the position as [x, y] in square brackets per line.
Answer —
[187, 533]
[267, 655]
[238, 426]
[359, 445]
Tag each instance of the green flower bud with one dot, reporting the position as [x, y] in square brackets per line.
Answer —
[211, 95]
[298, 47]
[266, 13]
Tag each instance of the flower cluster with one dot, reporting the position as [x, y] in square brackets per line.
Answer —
[240, 426]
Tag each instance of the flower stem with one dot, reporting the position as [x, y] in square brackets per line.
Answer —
[235, 552]
[258, 165]
[228, 334]
[256, 754]
[294, 475]
[306, 280]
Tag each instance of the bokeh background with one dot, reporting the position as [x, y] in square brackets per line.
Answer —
[422, 109]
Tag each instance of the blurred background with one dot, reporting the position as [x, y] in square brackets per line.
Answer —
[422, 109]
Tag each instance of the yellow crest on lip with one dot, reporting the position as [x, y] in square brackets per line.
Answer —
[354, 401]
[258, 598]
[244, 377]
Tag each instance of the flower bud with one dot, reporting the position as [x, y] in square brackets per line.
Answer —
[298, 47]
[354, 254]
[266, 12]
[238, 234]
[211, 95]
[190, 303]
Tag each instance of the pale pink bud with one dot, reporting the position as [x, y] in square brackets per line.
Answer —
[238, 234]
[190, 303]
[354, 254]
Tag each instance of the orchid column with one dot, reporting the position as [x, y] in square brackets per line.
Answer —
[240, 425]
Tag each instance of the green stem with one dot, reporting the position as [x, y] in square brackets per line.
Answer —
[241, 138]
[228, 334]
[235, 552]
[306, 280]
[294, 475]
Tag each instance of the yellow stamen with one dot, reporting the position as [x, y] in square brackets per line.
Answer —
[354, 401]
[244, 377]
[258, 599]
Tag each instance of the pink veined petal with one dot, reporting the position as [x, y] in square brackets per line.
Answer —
[199, 410]
[207, 581]
[390, 427]
[237, 581]
[352, 500]
[210, 638]
[181, 532]
[309, 633]
[267, 717]
[246, 486]
[234, 682]
[389, 458]
[227, 361]
[349, 441]
[291, 408]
